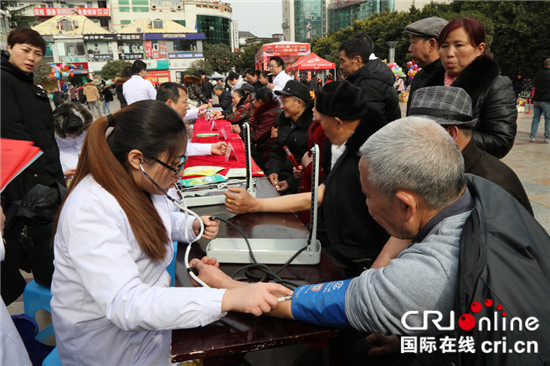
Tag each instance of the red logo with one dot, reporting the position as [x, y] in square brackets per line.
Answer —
[467, 322]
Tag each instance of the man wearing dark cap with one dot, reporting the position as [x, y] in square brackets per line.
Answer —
[294, 122]
[424, 49]
[451, 107]
[373, 76]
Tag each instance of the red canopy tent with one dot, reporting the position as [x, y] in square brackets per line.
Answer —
[311, 62]
[288, 51]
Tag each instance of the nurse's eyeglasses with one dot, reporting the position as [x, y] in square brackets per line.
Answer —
[177, 169]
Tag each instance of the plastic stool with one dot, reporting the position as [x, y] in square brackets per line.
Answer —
[171, 268]
[52, 359]
[37, 297]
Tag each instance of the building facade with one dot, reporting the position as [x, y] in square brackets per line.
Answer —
[211, 17]
[304, 20]
[342, 13]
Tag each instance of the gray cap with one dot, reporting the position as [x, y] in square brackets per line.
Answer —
[446, 105]
[427, 27]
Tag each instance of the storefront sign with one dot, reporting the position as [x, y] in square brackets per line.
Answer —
[130, 56]
[130, 37]
[173, 36]
[184, 55]
[89, 12]
[99, 37]
[101, 57]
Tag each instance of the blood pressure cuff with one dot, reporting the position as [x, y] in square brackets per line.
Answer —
[321, 304]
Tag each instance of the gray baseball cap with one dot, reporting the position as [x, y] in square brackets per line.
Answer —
[427, 27]
[446, 105]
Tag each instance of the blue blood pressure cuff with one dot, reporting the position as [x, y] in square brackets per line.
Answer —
[321, 304]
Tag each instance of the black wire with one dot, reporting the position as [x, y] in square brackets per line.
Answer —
[268, 274]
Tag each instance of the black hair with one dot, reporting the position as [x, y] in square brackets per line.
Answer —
[264, 94]
[244, 96]
[169, 90]
[357, 47]
[279, 61]
[72, 124]
[156, 132]
[265, 74]
[138, 66]
[252, 72]
[341, 99]
[26, 35]
[232, 76]
[369, 42]
[200, 73]
[127, 72]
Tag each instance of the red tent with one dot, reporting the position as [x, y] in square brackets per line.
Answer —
[288, 51]
[311, 62]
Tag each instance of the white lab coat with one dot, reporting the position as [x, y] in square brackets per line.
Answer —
[12, 349]
[69, 150]
[111, 303]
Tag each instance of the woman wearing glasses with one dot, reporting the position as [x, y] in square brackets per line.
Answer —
[111, 301]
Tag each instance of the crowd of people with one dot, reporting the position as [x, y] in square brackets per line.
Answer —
[407, 205]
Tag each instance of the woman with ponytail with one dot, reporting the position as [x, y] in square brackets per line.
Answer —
[113, 240]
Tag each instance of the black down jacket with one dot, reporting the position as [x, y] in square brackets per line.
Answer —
[376, 79]
[494, 104]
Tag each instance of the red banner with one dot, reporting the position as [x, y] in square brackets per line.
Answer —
[158, 76]
[88, 12]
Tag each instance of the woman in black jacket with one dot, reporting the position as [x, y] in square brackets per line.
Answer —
[26, 115]
[467, 65]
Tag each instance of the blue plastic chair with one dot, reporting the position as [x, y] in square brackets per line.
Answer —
[52, 359]
[37, 297]
[171, 268]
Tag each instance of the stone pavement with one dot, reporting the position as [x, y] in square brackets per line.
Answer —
[530, 161]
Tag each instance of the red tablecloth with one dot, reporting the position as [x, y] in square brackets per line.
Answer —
[202, 126]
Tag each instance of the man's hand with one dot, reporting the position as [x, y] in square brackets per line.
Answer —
[383, 345]
[219, 148]
[271, 86]
[273, 178]
[307, 158]
[298, 172]
[238, 200]
[236, 129]
[274, 132]
[211, 227]
[281, 186]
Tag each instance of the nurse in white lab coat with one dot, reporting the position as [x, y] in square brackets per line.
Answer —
[71, 121]
[111, 301]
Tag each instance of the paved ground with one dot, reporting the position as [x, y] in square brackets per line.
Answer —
[530, 161]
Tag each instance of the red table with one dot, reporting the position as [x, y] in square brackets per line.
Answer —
[202, 126]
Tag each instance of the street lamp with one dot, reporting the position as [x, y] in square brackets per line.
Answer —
[391, 55]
